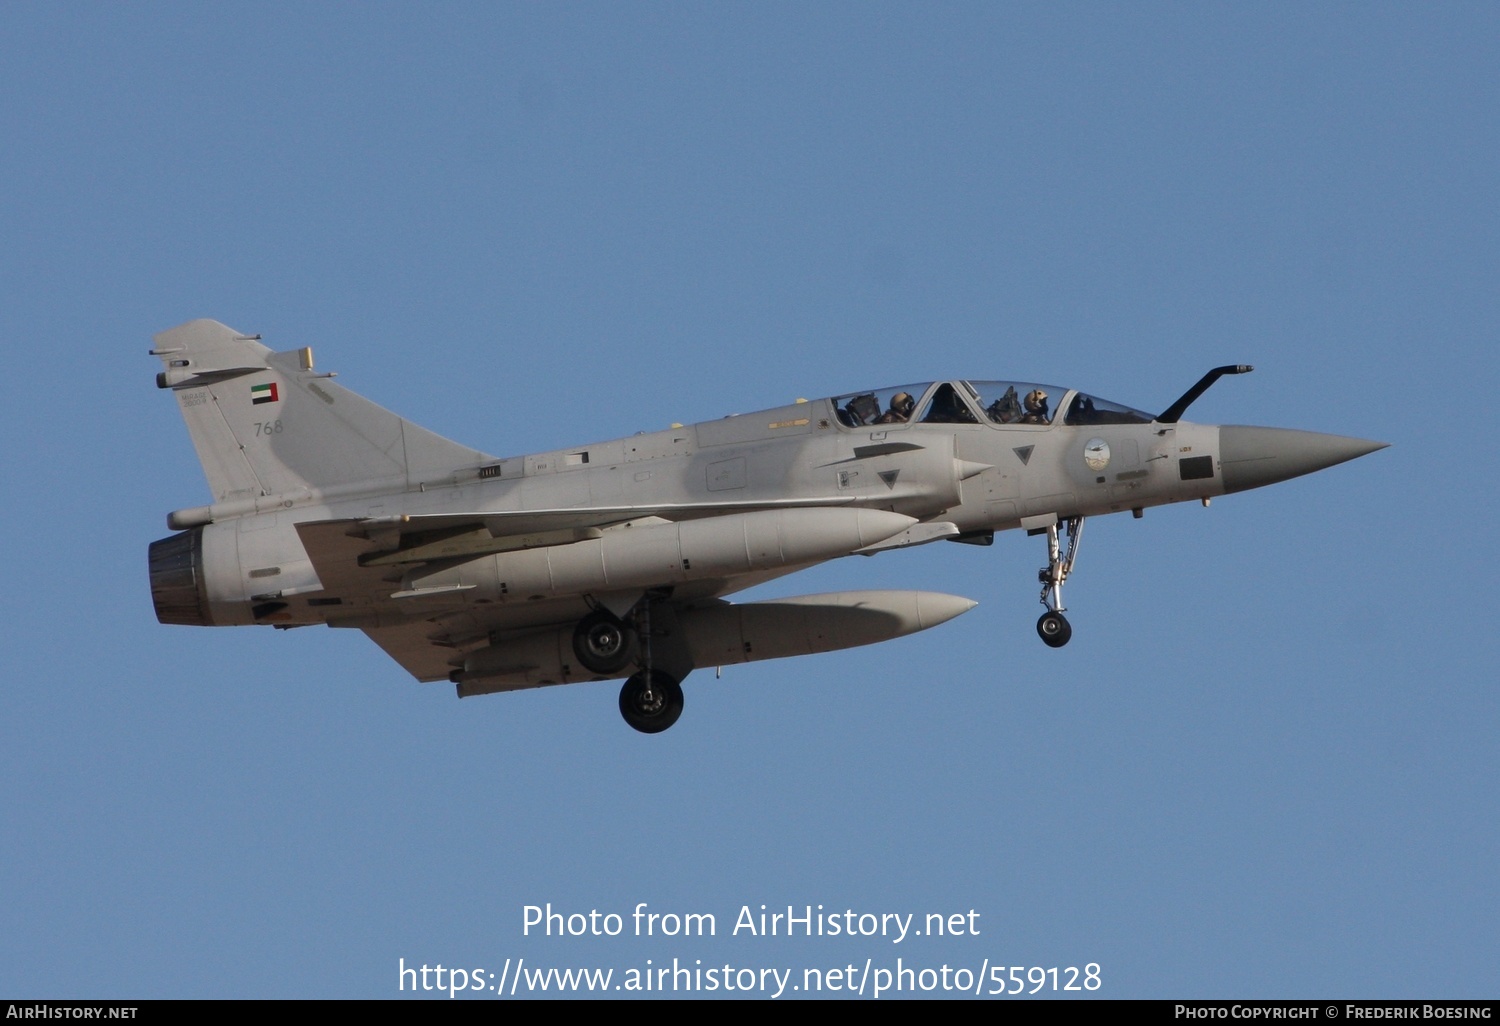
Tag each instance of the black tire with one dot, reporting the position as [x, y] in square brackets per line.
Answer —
[602, 643]
[653, 714]
[1054, 629]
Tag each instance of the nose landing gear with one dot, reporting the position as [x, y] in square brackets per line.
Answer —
[1053, 627]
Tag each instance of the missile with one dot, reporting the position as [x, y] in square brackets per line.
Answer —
[720, 633]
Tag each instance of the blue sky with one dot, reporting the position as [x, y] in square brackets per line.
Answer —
[1266, 764]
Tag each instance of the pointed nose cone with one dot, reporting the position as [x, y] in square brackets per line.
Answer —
[1255, 456]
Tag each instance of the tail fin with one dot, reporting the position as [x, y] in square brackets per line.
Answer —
[264, 424]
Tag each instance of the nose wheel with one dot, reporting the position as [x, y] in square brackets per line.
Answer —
[1053, 627]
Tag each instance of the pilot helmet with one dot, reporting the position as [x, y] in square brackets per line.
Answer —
[1036, 401]
[902, 403]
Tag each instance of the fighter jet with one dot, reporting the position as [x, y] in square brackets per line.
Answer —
[614, 559]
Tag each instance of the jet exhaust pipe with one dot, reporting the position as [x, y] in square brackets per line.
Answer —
[178, 586]
[724, 634]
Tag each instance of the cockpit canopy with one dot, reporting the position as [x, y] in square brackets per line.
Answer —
[979, 402]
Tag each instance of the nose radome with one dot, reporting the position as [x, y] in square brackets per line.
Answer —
[1254, 456]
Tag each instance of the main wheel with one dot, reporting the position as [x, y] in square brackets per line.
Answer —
[1054, 629]
[652, 709]
[602, 643]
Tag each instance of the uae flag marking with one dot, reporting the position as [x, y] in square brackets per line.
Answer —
[263, 394]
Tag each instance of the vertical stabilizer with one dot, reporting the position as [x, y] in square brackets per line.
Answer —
[265, 424]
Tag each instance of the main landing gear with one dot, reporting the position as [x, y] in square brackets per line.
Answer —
[1053, 627]
[651, 700]
[603, 642]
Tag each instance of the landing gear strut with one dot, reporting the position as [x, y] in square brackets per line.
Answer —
[1053, 627]
[651, 700]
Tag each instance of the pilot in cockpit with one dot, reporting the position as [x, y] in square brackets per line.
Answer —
[1036, 407]
[900, 412]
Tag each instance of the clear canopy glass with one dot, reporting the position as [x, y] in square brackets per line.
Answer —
[979, 402]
